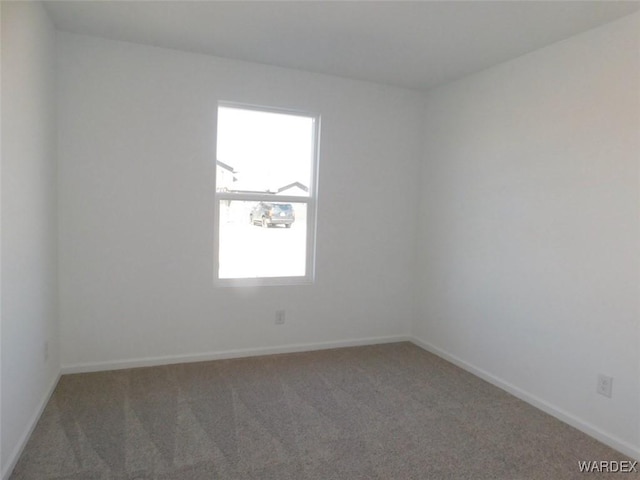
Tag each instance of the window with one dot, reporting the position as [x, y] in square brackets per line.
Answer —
[266, 166]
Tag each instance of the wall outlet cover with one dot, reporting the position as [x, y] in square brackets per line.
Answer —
[605, 385]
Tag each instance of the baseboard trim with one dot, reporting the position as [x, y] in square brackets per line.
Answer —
[17, 451]
[227, 354]
[566, 417]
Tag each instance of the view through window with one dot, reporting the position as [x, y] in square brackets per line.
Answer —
[265, 195]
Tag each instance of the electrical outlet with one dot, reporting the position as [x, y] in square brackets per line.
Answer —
[45, 351]
[605, 385]
[279, 317]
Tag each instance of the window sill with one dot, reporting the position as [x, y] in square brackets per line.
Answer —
[262, 282]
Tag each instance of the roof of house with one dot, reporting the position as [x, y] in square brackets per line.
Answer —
[292, 185]
[225, 166]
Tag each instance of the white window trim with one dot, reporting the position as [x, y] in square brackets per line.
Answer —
[311, 202]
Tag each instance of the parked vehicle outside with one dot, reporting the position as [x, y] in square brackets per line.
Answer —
[270, 214]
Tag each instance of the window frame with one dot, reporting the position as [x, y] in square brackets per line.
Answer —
[311, 202]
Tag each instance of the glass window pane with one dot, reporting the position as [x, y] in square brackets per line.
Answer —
[265, 152]
[262, 239]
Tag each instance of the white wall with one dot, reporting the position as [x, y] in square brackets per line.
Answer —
[29, 231]
[529, 247]
[137, 151]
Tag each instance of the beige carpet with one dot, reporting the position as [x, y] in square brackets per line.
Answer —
[389, 412]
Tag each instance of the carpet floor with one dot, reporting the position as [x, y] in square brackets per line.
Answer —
[387, 412]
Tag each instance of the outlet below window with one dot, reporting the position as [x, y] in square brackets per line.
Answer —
[605, 385]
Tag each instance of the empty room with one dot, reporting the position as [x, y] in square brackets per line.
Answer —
[319, 240]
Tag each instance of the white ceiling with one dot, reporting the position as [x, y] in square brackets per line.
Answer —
[408, 44]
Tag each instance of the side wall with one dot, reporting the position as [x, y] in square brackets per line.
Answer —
[529, 249]
[137, 151]
[29, 230]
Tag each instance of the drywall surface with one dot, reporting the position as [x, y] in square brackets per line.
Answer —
[529, 242]
[29, 232]
[137, 152]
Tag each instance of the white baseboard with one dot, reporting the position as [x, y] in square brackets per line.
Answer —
[226, 354]
[578, 423]
[17, 451]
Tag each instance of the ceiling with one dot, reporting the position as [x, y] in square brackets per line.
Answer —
[414, 45]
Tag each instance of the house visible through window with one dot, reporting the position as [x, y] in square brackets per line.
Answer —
[265, 195]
